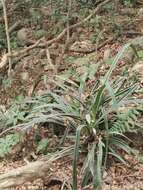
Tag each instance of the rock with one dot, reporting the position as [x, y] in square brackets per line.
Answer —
[24, 76]
[22, 36]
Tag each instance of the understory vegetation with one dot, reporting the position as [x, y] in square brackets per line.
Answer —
[91, 108]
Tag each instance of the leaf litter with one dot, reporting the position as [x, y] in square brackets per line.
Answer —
[117, 176]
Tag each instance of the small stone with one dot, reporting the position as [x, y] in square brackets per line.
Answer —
[22, 36]
[24, 76]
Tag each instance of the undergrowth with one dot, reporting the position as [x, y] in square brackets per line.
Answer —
[97, 118]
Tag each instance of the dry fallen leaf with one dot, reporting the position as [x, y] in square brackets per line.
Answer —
[138, 68]
[83, 45]
[4, 60]
[107, 54]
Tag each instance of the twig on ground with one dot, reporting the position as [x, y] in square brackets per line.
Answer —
[7, 35]
[109, 40]
[20, 54]
[52, 66]
[32, 171]
[60, 36]
[49, 57]
[48, 43]
[68, 19]
[13, 27]
[131, 33]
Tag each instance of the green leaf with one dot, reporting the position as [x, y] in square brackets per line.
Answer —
[89, 166]
[115, 61]
[113, 153]
[76, 155]
[128, 92]
[119, 143]
[97, 101]
[42, 145]
[88, 118]
[98, 179]
[7, 143]
[106, 138]
[112, 94]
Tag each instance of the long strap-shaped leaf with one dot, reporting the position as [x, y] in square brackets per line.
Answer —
[99, 96]
[115, 61]
[112, 95]
[107, 138]
[97, 101]
[76, 155]
[98, 180]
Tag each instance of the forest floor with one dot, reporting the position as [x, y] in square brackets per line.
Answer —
[26, 80]
[117, 177]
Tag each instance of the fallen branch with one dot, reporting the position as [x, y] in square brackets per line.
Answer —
[60, 36]
[30, 172]
[56, 39]
[20, 53]
[7, 34]
[24, 174]
[93, 49]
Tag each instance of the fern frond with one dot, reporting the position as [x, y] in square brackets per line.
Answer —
[126, 121]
